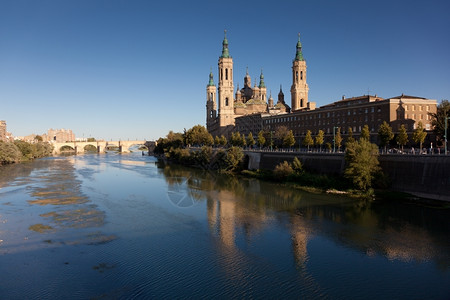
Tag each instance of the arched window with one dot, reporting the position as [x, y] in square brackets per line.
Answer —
[301, 103]
[296, 76]
[221, 74]
[226, 74]
[301, 75]
[211, 96]
[226, 101]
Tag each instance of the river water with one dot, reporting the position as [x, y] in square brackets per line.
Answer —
[123, 226]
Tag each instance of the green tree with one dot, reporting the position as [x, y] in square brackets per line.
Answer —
[198, 135]
[350, 138]
[91, 139]
[250, 140]
[261, 139]
[216, 141]
[419, 135]
[361, 163]
[9, 153]
[243, 142]
[236, 139]
[338, 138]
[234, 157]
[365, 133]
[320, 139]
[38, 138]
[289, 140]
[402, 137]
[438, 119]
[25, 148]
[223, 140]
[385, 134]
[308, 140]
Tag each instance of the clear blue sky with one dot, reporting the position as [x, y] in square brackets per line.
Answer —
[137, 69]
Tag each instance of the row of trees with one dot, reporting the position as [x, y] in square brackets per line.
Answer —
[20, 151]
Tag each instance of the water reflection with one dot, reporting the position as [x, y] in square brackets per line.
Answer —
[236, 206]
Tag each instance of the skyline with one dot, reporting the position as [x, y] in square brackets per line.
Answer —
[135, 70]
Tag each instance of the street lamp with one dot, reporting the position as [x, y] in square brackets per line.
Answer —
[445, 135]
[334, 138]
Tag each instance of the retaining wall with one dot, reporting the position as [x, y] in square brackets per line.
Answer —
[424, 176]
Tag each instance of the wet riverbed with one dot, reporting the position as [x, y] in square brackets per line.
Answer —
[123, 226]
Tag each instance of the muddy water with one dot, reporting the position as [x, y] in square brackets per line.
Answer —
[124, 226]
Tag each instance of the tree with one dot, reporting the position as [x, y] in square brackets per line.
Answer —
[9, 153]
[385, 134]
[328, 146]
[438, 119]
[338, 138]
[216, 141]
[361, 163]
[297, 165]
[236, 139]
[365, 133]
[250, 140]
[350, 138]
[402, 137]
[198, 135]
[319, 139]
[223, 140]
[308, 140]
[38, 138]
[91, 139]
[280, 134]
[261, 139]
[243, 142]
[419, 135]
[289, 140]
[234, 158]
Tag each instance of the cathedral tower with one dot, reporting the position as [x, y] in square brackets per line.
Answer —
[226, 87]
[211, 102]
[299, 88]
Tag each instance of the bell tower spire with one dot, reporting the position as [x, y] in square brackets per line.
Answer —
[299, 88]
[226, 87]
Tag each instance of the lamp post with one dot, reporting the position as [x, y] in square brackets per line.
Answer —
[445, 134]
[334, 139]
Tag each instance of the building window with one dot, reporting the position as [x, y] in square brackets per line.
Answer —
[406, 107]
[428, 107]
[296, 76]
[301, 75]
[226, 74]
[413, 107]
[226, 101]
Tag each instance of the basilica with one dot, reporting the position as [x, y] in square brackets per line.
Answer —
[226, 104]
[248, 110]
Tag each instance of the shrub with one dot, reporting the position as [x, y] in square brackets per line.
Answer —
[9, 153]
[283, 170]
[297, 166]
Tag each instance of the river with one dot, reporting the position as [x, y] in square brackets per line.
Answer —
[117, 226]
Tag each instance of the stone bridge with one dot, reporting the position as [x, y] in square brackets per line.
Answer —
[79, 147]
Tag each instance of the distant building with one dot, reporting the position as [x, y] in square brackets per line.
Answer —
[59, 135]
[3, 131]
[248, 110]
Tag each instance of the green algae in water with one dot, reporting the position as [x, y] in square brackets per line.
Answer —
[41, 228]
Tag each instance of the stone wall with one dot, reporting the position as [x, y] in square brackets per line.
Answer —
[424, 176]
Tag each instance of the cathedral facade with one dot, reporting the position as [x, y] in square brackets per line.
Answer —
[224, 104]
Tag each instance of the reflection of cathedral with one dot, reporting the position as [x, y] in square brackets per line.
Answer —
[221, 113]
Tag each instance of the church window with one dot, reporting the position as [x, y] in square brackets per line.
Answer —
[301, 75]
[301, 103]
[226, 74]
[226, 101]
[211, 96]
[221, 74]
[296, 76]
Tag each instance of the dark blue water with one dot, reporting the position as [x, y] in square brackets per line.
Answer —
[123, 227]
